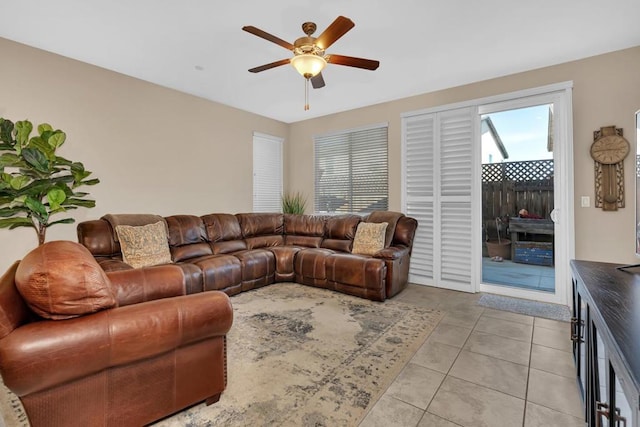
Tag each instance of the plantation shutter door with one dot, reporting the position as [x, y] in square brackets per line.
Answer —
[438, 185]
[267, 173]
[456, 185]
[419, 193]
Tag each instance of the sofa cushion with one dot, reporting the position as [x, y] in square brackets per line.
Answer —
[187, 237]
[370, 238]
[144, 245]
[342, 227]
[185, 230]
[134, 220]
[222, 227]
[261, 224]
[304, 230]
[306, 241]
[304, 225]
[391, 218]
[337, 245]
[61, 280]
[223, 231]
[258, 242]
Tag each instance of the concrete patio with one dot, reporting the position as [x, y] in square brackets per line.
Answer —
[525, 276]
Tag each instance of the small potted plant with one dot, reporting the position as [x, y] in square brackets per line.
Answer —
[499, 249]
[36, 183]
[293, 203]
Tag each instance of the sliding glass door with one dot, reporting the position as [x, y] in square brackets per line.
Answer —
[459, 184]
[526, 218]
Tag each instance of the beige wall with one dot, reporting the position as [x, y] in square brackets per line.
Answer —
[161, 151]
[606, 92]
[154, 149]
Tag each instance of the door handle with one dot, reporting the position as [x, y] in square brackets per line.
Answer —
[602, 410]
[554, 216]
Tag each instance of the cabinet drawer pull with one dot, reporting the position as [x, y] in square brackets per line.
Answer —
[602, 410]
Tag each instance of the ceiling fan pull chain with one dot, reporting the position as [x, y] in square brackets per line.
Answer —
[306, 94]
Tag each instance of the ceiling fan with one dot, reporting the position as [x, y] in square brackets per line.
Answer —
[309, 53]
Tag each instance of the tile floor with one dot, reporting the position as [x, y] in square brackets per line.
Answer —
[526, 276]
[482, 367]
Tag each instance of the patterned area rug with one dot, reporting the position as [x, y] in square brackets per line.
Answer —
[522, 306]
[302, 356]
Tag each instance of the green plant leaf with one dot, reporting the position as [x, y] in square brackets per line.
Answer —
[23, 129]
[36, 159]
[79, 202]
[87, 182]
[62, 161]
[9, 159]
[57, 139]
[12, 223]
[62, 221]
[38, 209]
[6, 128]
[20, 181]
[6, 212]
[56, 196]
[43, 127]
[42, 146]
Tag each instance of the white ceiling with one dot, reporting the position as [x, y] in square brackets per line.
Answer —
[198, 47]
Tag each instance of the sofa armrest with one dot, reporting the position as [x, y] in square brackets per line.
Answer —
[392, 252]
[145, 284]
[43, 354]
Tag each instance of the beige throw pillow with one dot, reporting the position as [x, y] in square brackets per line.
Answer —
[145, 245]
[369, 238]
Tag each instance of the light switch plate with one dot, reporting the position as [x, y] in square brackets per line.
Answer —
[585, 201]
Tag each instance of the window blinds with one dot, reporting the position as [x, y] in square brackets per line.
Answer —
[351, 171]
[267, 173]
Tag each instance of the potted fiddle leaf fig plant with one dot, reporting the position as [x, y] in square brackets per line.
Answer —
[36, 183]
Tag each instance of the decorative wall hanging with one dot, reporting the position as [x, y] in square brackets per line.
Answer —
[608, 151]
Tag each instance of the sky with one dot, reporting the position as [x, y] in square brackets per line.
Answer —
[523, 132]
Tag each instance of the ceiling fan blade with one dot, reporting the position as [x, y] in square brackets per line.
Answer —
[263, 34]
[337, 29]
[350, 61]
[317, 81]
[269, 66]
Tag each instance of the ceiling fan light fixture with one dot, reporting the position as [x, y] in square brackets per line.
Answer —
[308, 64]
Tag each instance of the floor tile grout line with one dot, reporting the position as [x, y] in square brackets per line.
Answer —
[486, 355]
[449, 370]
[526, 391]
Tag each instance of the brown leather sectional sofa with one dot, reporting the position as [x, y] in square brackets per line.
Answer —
[236, 253]
[158, 344]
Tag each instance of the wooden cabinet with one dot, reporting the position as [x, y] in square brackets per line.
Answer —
[605, 330]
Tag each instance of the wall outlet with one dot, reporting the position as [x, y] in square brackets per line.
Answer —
[585, 201]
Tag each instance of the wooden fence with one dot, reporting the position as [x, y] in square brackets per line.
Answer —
[511, 186]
